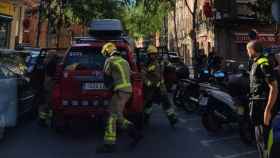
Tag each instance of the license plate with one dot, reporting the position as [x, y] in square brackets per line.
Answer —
[93, 86]
[203, 100]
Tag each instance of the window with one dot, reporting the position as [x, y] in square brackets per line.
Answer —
[88, 58]
[4, 34]
[5, 73]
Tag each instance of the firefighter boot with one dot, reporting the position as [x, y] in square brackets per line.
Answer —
[135, 135]
[146, 119]
[173, 120]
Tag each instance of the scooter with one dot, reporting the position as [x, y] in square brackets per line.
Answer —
[227, 105]
[188, 90]
[187, 95]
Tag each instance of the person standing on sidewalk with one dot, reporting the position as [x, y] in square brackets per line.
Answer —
[263, 94]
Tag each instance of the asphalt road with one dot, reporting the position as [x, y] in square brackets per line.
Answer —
[189, 140]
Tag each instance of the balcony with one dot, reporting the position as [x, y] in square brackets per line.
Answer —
[233, 11]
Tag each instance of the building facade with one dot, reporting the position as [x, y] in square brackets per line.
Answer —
[180, 23]
[221, 26]
[11, 22]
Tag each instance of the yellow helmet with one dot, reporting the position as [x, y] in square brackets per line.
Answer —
[109, 49]
[152, 50]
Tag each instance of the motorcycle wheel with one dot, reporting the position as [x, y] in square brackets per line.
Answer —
[246, 132]
[187, 105]
[190, 106]
[210, 122]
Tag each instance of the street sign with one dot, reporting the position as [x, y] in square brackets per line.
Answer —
[275, 9]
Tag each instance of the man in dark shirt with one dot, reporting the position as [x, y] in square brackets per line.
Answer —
[263, 93]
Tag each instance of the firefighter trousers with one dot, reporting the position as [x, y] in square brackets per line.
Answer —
[118, 102]
[152, 94]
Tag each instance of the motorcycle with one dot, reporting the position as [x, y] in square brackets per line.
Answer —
[188, 90]
[227, 105]
[187, 94]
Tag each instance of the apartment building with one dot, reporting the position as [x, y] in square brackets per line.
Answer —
[221, 26]
[11, 19]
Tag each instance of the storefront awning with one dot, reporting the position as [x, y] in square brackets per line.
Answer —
[5, 18]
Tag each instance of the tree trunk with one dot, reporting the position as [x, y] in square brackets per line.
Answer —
[175, 29]
[39, 25]
[195, 51]
[57, 38]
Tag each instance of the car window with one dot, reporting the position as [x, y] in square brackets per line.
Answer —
[5, 73]
[88, 58]
[13, 62]
[31, 59]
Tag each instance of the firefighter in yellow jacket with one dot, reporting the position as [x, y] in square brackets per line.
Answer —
[154, 87]
[117, 78]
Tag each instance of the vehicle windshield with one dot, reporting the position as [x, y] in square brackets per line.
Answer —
[87, 58]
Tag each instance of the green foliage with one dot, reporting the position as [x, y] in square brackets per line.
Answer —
[145, 17]
[86, 10]
[140, 17]
[58, 15]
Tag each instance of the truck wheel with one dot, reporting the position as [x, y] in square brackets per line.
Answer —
[190, 106]
[210, 122]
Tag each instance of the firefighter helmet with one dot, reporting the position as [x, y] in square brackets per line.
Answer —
[109, 49]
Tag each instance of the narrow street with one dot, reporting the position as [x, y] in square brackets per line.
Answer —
[189, 140]
[62, 61]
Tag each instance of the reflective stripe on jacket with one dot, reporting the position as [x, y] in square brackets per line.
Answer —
[119, 69]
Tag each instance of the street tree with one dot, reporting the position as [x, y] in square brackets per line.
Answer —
[192, 9]
[140, 22]
[59, 16]
[143, 17]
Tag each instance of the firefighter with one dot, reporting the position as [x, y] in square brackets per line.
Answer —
[263, 96]
[45, 112]
[154, 86]
[117, 71]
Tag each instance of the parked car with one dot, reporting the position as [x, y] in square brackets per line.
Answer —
[16, 93]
